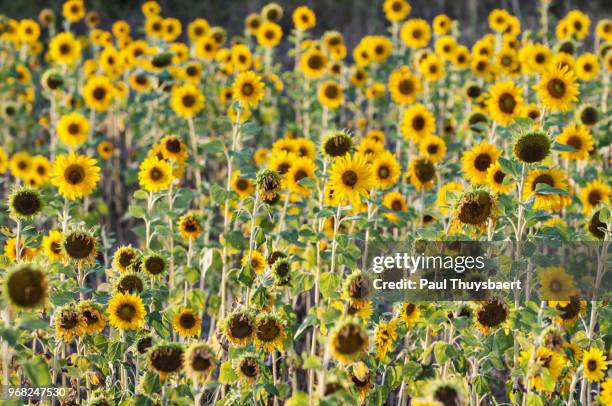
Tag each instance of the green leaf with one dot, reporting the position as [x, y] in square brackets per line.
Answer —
[329, 283]
[546, 189]
[311, 362]
[534, 400]
[136, 211]
[213, 147]
[562, 147]
[298, 399]
[151, 382]
[227, 375]
[510, 167]
[141, 194]
[308, 183]
[37, 372]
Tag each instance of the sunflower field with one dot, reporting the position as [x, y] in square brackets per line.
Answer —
[190, 218]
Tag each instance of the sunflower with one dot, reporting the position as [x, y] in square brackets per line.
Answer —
[73, 129]
[384, 336]
[491, 314]
[239, 328]
[370, 149]
[189, 226]
[396, 10]
[247, 368]
[588, 115]
[155, 174]
[269, 34]
[432, 68]
[396, 202]
[268, 185]
[20, 164]
[199, 361]
[570, 310]
[557, 89]
[166, 358]
[187, 323]
[351, 177]
[75, 175]
[173, 148]
[403, 85]
[124, 257]
[605, 393]
[301, 168]
[330, 94]
[153, 264]
[241, 185]
[433, 147]
[313, 63]
[348, 341]
[94, 316]
[596, 227]
[421, 173]
[69, 322]
[257, 262]
[417, 123]
[248, 89]
[477, 161]
[415, 33]
[552, 361]
[579, 137]
[269, 332]
[556, 284]
[10, 250]
[98, 93]
[52, 245]
[593, 194]
[187, 100]
[496, 179]
[505, 102]
[24, 203]
[336, 144]
[532, 147]
[130, 282]
[475, 207]
[361, 377]
[252, 23]
[303, 18]
[126, 311]
[64, 49]
[25, 286]
[546, 201]
[385, 170]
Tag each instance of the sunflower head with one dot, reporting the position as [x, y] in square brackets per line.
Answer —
[247, 368]
[94, 316]
[475, 208]
[357, 288]
[491, 314]
[348, 341]
[187, 323]
[268, 184]
[422, 173]
[124, 257]
[281, 268]
[532, 147]
[69, 322]
[130, 282]
[337, 144]
[189, 226]
[596, 227]
[25, 286]
[588, 115]
[239, 328]
[269, 332]
[79, 245]
[25, 203]
[143, 344]
[154, 264]
[126, 311]
[199, 361]
[166, 358]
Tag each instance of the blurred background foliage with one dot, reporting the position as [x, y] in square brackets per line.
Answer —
[353, 18]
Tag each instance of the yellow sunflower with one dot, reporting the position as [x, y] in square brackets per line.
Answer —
[64, 48]
[73, 129]
[173, 148]
[385, 170]
[415, 33]
[441, 24]
[257, 261]
[505, 102]
[186, 100]
[403, 85]
[189, 226]
[98, 93]
[556, 284]
[75, 175]
[545, 358]
[241, 185]
[595, 193]
[124, 257]
[269, 34]
[330, 94]
[496, 179]
[432, 68]
[579, 137]
[20, 164]
[447, 190]
[396, 202]
[594, 364]
[94, 316]
[126, 311]
[52, 245]
[421, 173]
[155, 174]
[187, 323]
[303, 18]
[417, 123]
[433, 147]
[351, 177]
[476, 162]
[348, 341]
[301, 168]
[546, 201]
[269, 332]
[69, 322]
[558, 89]
[384, 336]
[248, 89]
[396, 10]
[313, 63]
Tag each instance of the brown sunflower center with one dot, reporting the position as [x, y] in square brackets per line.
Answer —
[350, 340]
[240, 326]
[201, 361]
[331, 91]
[126, 312]
[167, 359]
[492, 314]
[99, 93]
[417, 33]
[556, 88]
[406, 86]
[187, 320]
[384, 172]
[79, 246]
[188, 100]
[432, 149]
[418, 123]
[242, 184]
[482, 162]
[575, 142]
[65, 49]
[74, 174]
[248, 89]
[595, 197]
[74, 128]
[544, 178]
[249, 368]
[397, 205]
[268, 330]
[350, 178]
[424, 170]
[156, 174]
[507, 103]
[498, 177]
[154, 265]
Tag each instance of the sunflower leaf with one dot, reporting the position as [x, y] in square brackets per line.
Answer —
[545, 189]
[562, 147]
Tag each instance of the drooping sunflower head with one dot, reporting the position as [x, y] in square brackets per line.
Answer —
[532, 146]
[596, 227]
[421, 173]
[154, 264]
[409, 313]
[189, 226]
[69, 322]
[570, 310]
[126, 311]
[361, 377]
[247, 368]
[491, 314]
[130, 282]
[268, 184]
[79, 245]
[269, 332]
[349, 341]
[199, 361]
[25, 286]
[357, 289]
[25, 203]
[239, 328]
[187, 323]
[94, 316]
[475, 208]
[336, 144]
[281, 269]
[124, 256]
[166, 358]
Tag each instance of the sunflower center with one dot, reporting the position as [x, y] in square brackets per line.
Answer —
[99, 93]
[69, 321]
[396, 205]
[331, 91]
[156, 174]
[249, 368]
[201, 362]
[383, 172]
[350, 340]
[482, 162]
[359, 288]
[350, 178]
[74, 128]
[418, 123]
[592, 365]
[187, 320]
[268, 330]
[26, 203]
[315, 62]
[432, 149]
[167, 359]
[125, 258]
[492, 314]
[56, 247]
[141, 79]
[544, 178]
[79, 246]
[173, 145]
[475, 209]
[248, 89]
[595, 197]
[556, 88]
[589, 116]
[300, 174]
[90, 317]
[242, 184]
[26, 287]
[284, 168]
[188, 100]
[198, 31]
[74, 174]
[417, 33]
[507, 103]
[424, 170]
[406, 86]
[473, 92]
[575, 142]
[126, 312]
[65, 49]
[396, 6]
[240, 327]
[447, 395]
[269, 34]
[190, 225]
[154, 265]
